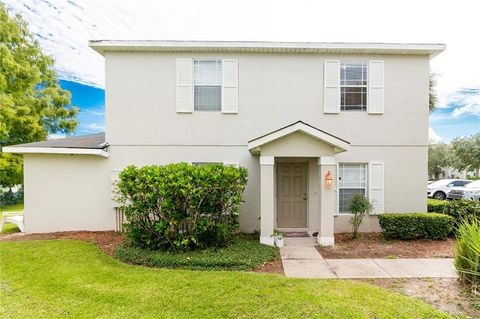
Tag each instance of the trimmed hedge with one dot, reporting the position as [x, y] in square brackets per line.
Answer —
[458, 209]
[436, 205]
[245, 252]
[409, 226]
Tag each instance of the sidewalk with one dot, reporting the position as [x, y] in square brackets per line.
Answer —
[301, 259]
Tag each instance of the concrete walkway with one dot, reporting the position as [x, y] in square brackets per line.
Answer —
[301, 259]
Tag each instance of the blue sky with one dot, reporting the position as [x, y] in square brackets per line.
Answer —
[63, 29]
[91, 101]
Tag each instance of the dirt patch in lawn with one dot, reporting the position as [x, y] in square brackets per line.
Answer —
[272, 267]
[373, 245]
[445, 294]
[106, 241]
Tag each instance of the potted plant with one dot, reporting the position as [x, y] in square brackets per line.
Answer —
[278, 238]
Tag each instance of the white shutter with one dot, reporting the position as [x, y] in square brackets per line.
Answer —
[376, 186]
[375, 87]
[331, 91]
[230, 86]
[184, 86]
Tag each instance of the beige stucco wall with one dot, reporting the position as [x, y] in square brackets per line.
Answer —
[67, 192]
[142, 126]
[274, 90]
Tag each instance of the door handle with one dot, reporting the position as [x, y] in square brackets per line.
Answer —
[304, 196]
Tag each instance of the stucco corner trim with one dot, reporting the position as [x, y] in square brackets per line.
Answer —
[326, 160]
[267, 160]
[55, 150]
[326, 241]
[267, 240]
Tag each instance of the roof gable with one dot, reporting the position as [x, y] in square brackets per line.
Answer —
[339, 145]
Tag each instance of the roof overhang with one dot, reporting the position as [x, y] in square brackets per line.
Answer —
[55, 150]
[430, 49]
[339, 145]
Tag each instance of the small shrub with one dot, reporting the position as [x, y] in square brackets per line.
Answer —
[9, 197]
[467, 252]
[359, 207]
[416, 225]
[245, 252]
[181, 206]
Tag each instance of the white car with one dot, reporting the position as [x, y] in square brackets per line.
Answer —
[440, 188]
[469, 191]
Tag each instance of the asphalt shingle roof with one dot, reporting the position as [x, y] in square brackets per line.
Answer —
[91, 141]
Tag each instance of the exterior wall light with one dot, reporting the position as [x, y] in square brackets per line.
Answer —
[329, 179]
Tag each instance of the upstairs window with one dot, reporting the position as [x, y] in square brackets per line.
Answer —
[353, 85]
[207, 83]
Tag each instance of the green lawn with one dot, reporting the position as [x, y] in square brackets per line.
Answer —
[10, 228]
[62, 278]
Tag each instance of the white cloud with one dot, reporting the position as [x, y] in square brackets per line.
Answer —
[64, 27]
[56, 136]
[94, 127]
[469, 104]
[433, 137]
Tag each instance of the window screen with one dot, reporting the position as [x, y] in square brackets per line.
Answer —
[207, 85]
[353, 85]
[352, 180]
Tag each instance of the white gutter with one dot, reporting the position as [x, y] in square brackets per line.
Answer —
[55, 150]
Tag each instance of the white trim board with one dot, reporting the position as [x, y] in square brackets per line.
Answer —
[429, 49]
[55, 150]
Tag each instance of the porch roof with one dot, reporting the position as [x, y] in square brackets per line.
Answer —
[339, 145]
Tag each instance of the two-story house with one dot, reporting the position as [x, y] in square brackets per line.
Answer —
[314, 124]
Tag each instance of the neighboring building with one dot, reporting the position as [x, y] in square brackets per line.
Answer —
[450, 172]
[291, 113]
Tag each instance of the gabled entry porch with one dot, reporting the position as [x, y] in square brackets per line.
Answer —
[297, 180]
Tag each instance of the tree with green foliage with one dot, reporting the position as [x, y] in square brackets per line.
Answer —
[439, 157]
[32, 104]
[466, 151]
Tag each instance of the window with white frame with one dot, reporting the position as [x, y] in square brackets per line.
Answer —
[207, 81]
[353, 85]
[352, 180]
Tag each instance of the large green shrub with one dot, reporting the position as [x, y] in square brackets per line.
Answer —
[467, 252]
[458, 209]
[180, 206]
[416, 225]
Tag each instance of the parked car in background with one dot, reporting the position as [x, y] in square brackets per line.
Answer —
[469, 191]
[440, 188]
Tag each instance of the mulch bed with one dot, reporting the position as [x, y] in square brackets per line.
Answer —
[373, 245]
[271, 267]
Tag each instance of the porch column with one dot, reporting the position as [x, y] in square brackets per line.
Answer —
[267, 199]
[327, 200]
